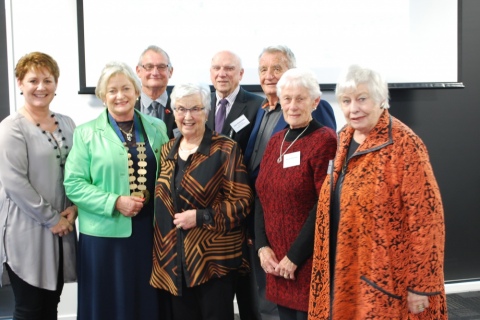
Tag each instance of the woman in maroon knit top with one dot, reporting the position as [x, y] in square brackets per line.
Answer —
[291, 174]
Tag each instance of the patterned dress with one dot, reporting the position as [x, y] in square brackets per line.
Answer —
[288, 196]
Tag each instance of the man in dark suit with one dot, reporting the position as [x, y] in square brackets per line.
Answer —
[273, 62]
[241, 106]
[235, 121]
[154, 70]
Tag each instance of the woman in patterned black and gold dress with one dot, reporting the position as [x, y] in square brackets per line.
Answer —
[202, 197]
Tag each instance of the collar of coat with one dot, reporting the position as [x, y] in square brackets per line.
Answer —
[379, 137]
[204, 146]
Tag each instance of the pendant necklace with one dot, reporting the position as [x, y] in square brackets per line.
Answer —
[280, 158]
[128, 134]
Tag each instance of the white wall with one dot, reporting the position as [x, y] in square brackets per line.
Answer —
[50, 26]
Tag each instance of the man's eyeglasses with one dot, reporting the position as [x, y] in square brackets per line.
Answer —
[160, 67]
[193, 111]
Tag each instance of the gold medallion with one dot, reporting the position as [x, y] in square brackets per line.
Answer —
[137, 181]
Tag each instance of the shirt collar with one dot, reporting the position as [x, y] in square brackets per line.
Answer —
[230, 98]
[147, 101]
[267, 107]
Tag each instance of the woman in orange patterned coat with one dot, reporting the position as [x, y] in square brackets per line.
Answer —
[379, 228]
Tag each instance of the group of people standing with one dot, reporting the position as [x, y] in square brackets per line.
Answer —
[190, 199]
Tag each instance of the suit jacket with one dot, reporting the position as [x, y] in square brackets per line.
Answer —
[169, 119]
[96, 174]
[246, 103]
[323, 114]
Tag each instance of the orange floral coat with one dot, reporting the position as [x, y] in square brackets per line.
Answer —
[391, 233]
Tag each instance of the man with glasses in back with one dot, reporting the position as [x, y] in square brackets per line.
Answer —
[154, 70]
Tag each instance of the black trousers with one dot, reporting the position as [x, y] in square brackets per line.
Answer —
[247, 292]
[291, 314]
[212, 300]
[33, 303]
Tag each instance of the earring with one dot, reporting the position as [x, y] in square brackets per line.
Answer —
[21, 93]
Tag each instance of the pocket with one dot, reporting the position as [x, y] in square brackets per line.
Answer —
[379, 303]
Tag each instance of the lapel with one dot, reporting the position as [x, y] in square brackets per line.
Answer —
[106, 130]
[236, 111]
[253, 134]
[137, 104]
[281, 124]
[211, 114]
[151, 133]
[169, 119]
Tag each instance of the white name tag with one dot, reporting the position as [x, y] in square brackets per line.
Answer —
[240, 123]
[291, 159]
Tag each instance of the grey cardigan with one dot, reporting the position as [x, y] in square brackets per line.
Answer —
[32, 197]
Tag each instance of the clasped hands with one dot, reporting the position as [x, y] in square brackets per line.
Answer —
[66, 222]
[270, 264]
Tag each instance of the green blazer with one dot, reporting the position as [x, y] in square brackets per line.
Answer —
[96, 174]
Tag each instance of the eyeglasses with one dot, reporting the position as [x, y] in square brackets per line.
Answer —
[193, 111]
[160, 67]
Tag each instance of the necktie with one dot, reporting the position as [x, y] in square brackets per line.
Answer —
[154, 109]
[220, 116]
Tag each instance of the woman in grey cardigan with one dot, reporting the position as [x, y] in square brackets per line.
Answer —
[38, 238]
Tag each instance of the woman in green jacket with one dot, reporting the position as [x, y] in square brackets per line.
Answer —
[110, 175]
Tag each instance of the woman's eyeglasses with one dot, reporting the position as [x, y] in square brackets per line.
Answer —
[193, 111]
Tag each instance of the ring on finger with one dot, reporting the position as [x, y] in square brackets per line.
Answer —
[421, 307]
[179, 226]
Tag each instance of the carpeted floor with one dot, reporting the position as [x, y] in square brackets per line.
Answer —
[461, 306]
[464, 306]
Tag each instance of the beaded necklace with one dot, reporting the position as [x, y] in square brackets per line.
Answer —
[51, 137]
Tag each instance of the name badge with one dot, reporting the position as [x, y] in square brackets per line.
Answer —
[240, 123]
[291, 159]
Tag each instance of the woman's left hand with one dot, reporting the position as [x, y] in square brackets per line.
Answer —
[417, 303]
[286, 269]
[185, 220]
[62, 228]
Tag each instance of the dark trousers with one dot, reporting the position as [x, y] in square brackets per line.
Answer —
[33, 303]
[246, 291]
[268, 310]
[212, 300]
[291, 314]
